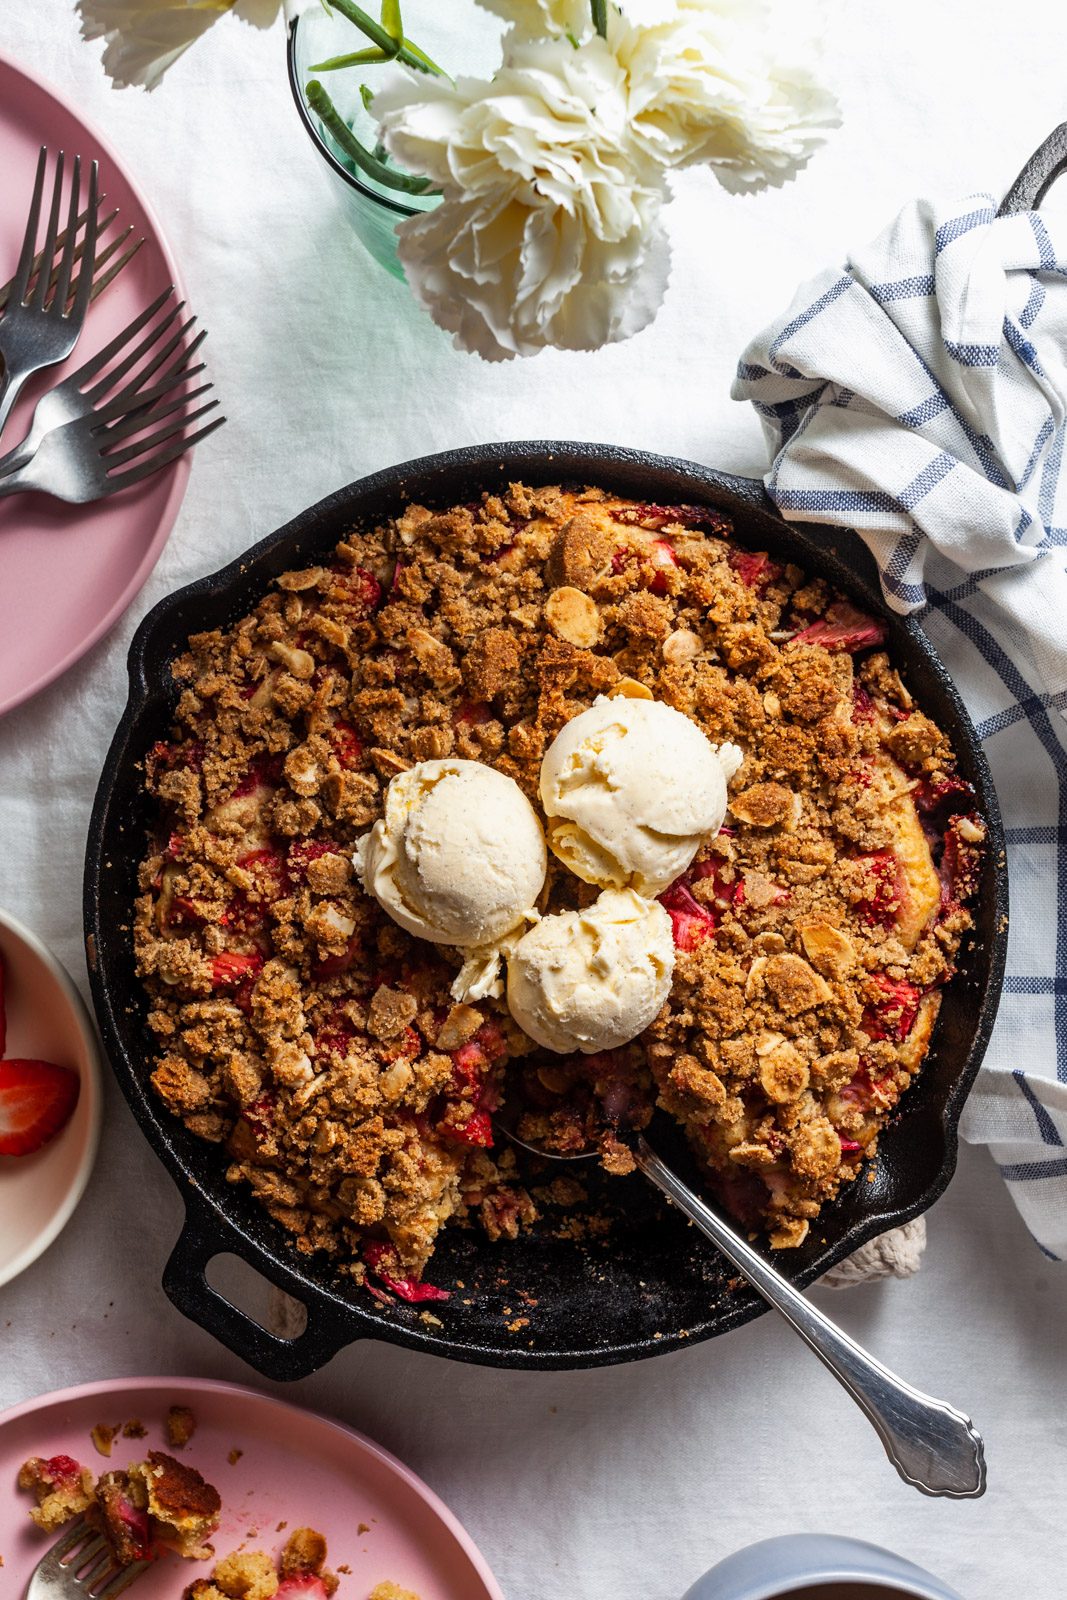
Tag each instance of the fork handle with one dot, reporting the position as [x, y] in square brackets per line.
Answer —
[933, 1446]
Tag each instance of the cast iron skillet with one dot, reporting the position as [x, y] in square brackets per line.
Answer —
[650, 1283]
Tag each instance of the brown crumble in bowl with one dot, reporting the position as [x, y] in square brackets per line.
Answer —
[315, 1042]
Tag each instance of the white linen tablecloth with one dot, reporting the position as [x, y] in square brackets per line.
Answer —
[626, 1483]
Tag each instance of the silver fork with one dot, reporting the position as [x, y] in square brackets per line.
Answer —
[105, 269]
[33, 334]
[78, 1565]
[80, 460]
[71, 400]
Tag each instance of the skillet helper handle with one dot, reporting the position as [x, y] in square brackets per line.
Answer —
[1038, 175]
[933, 1446]
[185, 1282]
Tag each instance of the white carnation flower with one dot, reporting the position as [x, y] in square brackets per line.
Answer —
[145, 37]
[730, 83]
[548, 233]
[541, 19]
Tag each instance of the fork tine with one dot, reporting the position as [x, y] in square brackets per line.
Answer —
[66, 260]
[100, 283]
[122, 1580]
[119, 405]
[147, 417]
[71, 1537]
[181, 364]
[124, 480]
[97, 362]
[5, 291]
[48, 250]
[118, 458]
[100, 1569]
[84, 290]
[116, 373]
[21, 281]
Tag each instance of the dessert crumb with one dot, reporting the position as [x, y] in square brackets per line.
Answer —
[102, 1436]
[180, 1426]
[234, 1457]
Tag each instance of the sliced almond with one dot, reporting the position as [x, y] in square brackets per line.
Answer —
[461, 1024]
[681, 646]
[767, 805]
[783, 1074]
[387, 763]
[630, 689]
[299, 662]
[573, 617]
[795, 986]
[829, 950]
[305, 579]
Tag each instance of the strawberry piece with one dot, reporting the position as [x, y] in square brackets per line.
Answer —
[407, 1288]
[848, 1145]
[862, 704]
[686, 517]
[960, 863]
[36, 1100]
[949, 794]
[139, 1546]
[332, 965]
[406, 1048]
[270, 880]
[301, 1586]
[264, 772]
[260, 1115]
[473, 713]
[356, 589]
[231, 968]
[477, 1129]
[301, 856]
[844, 628]
[663, 559]
[691, 922]
[347, 745]
[3, 1013]
[755, 569]
[878, 907]
[60, 1471]
[892, 1014]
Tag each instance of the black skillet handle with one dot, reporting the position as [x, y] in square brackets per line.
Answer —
[1038, 175]
[185, 1282]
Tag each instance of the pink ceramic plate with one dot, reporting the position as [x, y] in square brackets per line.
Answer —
[295, 1467]
[67, 573]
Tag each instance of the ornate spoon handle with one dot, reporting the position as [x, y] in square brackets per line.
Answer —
[933, 1446]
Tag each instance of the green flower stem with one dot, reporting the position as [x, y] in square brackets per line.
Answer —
[395, 49]
[600, 16]
[358, 58]
[324, 108]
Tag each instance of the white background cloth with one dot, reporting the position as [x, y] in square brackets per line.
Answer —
[622, 1484]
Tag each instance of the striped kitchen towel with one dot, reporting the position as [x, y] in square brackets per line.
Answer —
[919, 396]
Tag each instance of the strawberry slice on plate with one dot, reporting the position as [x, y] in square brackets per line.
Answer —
[301, 1586]
[36, 1100]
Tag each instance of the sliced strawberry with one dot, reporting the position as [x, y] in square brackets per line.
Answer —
[691, 922]
[302, 1585]
[755, 568]
[139, 1533]
[36, 1100]
[891, 1015]
[475, 1129]
[848, 1145]
[60, 1471]
[264, 772]
[862, 704]
[230, 969]
[407, 1288]
[961, 861]
[844, 628]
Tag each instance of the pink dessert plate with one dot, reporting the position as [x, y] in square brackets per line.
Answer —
[272, 1463]
[47, 1021]
[67, 573]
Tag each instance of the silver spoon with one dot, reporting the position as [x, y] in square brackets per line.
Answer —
[933, 1446]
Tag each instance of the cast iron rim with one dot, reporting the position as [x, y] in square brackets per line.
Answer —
[334, 1320]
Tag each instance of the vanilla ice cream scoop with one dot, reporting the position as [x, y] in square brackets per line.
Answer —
[594, 979]
[459, 857]
[632, 788]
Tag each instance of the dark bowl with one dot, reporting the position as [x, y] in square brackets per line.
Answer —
[650, 1283]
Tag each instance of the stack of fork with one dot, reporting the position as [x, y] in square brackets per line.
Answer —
[129, 410]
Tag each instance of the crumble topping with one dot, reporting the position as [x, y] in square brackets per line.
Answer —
[315, 1042]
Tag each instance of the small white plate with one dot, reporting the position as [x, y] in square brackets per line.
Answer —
[47, 1020]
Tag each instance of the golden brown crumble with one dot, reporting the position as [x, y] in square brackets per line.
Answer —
[315, 1042]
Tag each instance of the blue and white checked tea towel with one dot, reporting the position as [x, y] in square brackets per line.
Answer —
[919, 396]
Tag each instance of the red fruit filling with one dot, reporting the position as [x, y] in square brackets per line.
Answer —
[303, 854]
[891, 1016]
[844, 628]
[302, 1585]
[229, 968]
[755, 568]
[356, 589]
[36, 1100]
[332, 965]
[407, 1288]
[879, 906]
[690, 922]
[961, 862]
[347, 745]
[63, 1472]
[473, 713]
